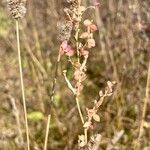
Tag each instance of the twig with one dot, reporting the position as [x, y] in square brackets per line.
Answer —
[68, 83]
[55, 79]
[79, 110]
[144, 107]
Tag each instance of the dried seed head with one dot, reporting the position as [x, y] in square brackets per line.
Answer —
[72, 8]
[16, 8]
[65, 28]
[73, 3]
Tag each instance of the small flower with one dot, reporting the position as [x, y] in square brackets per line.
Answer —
[87, 22]
[90, 26]
[93, 28]
[66, 48]
[69, 51]
[84, 52]
[91, 43]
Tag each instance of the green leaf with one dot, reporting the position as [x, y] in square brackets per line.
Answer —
[35, 116]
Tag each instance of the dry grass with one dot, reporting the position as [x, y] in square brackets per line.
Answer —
[121, 54]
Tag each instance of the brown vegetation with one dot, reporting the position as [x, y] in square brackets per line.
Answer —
[120, 52]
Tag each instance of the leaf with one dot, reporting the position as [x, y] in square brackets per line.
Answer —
[35, 116]
[96, 117]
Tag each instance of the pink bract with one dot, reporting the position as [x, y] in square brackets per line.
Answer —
[66, 48]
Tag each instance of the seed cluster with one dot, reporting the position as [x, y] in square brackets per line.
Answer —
[65, 28]
[16, 8]
[73, 2]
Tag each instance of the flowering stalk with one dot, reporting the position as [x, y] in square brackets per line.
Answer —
[17, 10]
[144, 109]
[79, 64]
[22, 84]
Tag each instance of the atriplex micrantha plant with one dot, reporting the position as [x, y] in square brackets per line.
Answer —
[82, 31]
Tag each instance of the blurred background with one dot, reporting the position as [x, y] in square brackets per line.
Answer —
[121, 54]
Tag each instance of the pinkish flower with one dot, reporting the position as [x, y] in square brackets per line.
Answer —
[66, 48]
[69, 51]
[87, 22]
[64, 45]
[84, 52]
[93, 28]
[91, 43]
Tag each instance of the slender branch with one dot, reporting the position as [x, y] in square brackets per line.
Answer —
[51, 91]
[47, 132]
[77, 103]
[79, 110]
[54, 80]
[22, 84]
[68, 83]
[144, 107]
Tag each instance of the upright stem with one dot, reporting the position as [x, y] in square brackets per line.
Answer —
[78, 30]
[144, 108]
[78, 58]
[54, 80]
[22, 85]
[47, 132]
[77, 43]
[51, 90]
